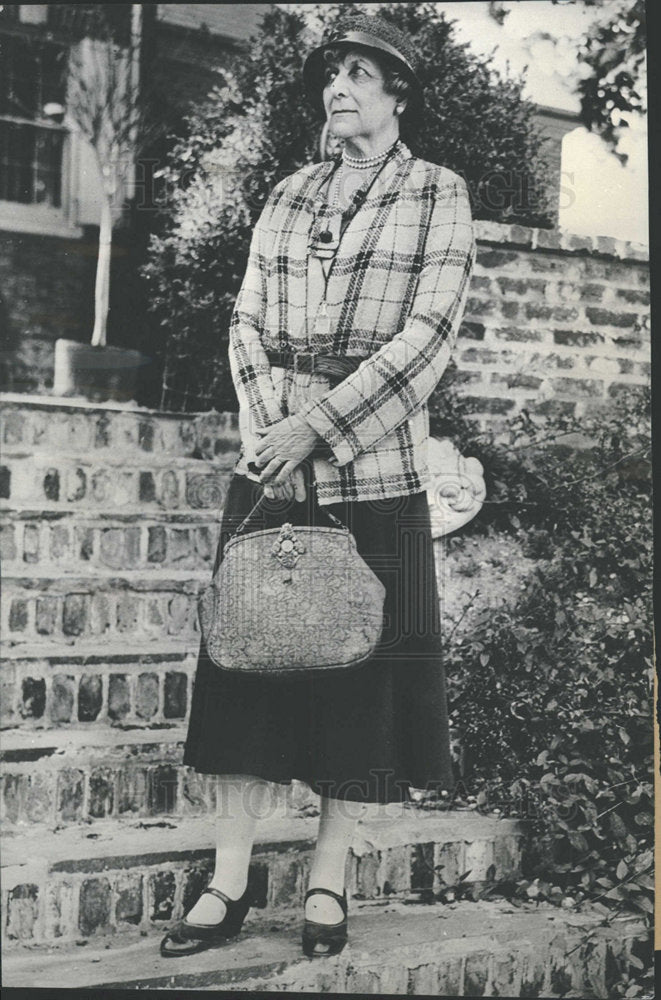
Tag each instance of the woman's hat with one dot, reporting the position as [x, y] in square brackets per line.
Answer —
[372, 32]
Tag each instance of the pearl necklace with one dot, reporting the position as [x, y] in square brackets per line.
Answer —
[335, 184]
[365, 162]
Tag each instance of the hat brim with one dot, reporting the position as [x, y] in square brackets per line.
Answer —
[315, 65]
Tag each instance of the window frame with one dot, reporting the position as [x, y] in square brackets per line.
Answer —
[42, 219]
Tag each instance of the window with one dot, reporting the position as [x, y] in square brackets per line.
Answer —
[32, 76]
[48, 170]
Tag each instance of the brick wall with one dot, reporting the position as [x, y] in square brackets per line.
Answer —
[554, 322]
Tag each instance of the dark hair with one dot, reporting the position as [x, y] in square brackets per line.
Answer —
[396, 83]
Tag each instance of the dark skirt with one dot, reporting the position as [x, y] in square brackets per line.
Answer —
[365, 734]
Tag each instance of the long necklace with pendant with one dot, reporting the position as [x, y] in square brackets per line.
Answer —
[326, 245]
[322, 319]
[330, 238]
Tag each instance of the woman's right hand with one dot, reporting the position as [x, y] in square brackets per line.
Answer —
[292, 488]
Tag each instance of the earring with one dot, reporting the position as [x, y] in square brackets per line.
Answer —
[398, 109]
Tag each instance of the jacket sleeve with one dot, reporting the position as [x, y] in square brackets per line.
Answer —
[398, 378]
[259, 403]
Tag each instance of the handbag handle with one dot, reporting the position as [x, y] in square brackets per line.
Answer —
[336, 521]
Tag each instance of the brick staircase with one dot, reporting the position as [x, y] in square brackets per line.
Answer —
[110, 520]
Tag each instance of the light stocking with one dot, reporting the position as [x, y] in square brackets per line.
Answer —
[240, 801]
[337, 825]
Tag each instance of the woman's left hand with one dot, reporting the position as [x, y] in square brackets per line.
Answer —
[282, 447]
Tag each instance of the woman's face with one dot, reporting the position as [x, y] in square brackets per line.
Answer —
[354, 99]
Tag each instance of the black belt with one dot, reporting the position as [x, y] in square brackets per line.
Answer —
[333, 366]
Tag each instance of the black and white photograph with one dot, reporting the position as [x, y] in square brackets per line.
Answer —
[326, 499]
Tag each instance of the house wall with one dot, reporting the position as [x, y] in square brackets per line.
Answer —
[234, 21]
[192, 43]
[554, 124]
[47, 292]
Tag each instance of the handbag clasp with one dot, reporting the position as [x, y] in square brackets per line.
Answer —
[287, 548]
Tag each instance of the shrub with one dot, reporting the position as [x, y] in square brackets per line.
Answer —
[259, 128]
[552, 694]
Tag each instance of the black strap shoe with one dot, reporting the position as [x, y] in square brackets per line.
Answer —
[325, 939]
[187, 938]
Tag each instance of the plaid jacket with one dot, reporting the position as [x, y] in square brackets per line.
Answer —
[396, 294]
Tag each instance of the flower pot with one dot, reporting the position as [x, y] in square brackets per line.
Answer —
[98, 373]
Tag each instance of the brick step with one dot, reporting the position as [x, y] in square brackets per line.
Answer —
[123, 875]
[71, 776]
[73, 611]
[42, 579]
[61, 542]
[99, 685]
[130, 607]
[62, 778]
[54, 425]
[116, 481]
[486, 948]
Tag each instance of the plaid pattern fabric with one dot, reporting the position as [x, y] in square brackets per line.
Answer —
[396, 294]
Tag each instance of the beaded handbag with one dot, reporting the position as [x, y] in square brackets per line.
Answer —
[291, 601]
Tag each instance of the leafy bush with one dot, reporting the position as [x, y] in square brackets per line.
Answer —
[260, 128]
[552, 694]
[614, 51]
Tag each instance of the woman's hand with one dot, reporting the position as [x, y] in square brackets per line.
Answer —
[282, 448]
[292, 488]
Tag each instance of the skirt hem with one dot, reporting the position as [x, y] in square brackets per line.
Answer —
[326, 786]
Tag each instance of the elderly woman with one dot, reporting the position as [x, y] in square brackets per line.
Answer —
[354, 290]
